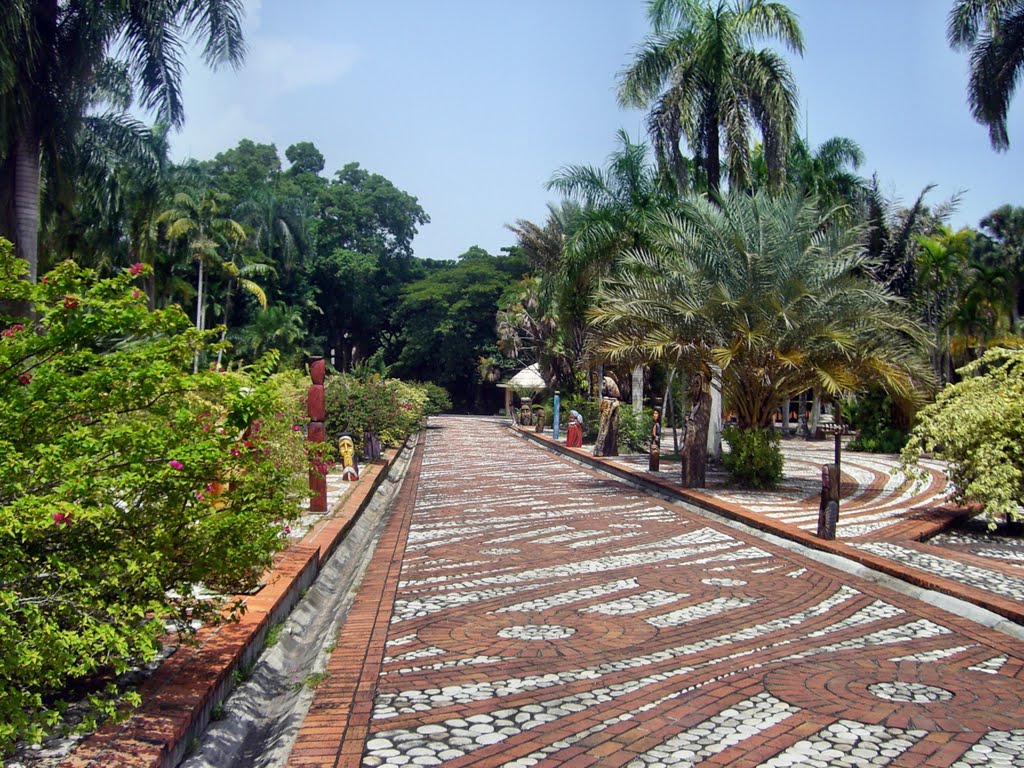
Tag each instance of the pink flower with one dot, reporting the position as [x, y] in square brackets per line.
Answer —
[136, 294]
[60, 518]
[8, 332]
[209, 488]
[25, 379]
[44, 279]
[199, 495]
[287, 530]
[175, 464]
[235, 452]
[135, 269]
[70, 302]
[296, 427]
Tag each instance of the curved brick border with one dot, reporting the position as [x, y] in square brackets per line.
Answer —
[923, 525]
[178, 698]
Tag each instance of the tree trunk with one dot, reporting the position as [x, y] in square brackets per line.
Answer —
[638, 389]
[715, 419]
[712, 160]
[199, 315]
[25, 203]
[695, 441]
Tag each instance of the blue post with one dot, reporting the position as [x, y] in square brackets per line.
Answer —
[554, 424]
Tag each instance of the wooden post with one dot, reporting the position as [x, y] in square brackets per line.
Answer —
[316, 432]
[828, 509]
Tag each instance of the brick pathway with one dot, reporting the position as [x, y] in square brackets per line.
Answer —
[524, 611]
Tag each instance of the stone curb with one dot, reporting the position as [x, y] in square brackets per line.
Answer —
[1001, 606]
[178, 699]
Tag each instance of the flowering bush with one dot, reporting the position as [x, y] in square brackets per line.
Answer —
[125, 480]
[977, 425]
[392, 408]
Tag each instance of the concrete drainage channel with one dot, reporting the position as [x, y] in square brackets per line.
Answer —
[262, 716]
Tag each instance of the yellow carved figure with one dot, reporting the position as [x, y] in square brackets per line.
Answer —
[347, 452]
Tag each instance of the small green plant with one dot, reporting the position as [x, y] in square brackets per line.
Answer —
[314, 679]
[274, 634]
[754, 459]
[217, 711]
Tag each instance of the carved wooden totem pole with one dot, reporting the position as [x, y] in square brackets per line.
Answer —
[828, 509]
[316, 433]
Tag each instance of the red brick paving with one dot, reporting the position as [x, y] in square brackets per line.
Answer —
[522, 611]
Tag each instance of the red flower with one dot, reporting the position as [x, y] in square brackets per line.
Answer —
[135, 269]
[8, 332]
[70, 302]
[175, 464]
[60, 518]
[25, 379]
[136, 294]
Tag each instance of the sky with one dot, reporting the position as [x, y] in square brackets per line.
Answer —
[471, 106]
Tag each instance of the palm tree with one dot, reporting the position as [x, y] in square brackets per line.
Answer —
[993, 31]
[705, 82]
[52, 54]
[617, 207]
[769, 292]
[942, 265]
[1005, 226]
[198, 220]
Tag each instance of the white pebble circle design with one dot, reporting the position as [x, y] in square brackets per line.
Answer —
[917, 693]
[536, 632]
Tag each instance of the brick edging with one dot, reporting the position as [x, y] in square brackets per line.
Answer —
[998, 605]
[179, 697]
[337, 722]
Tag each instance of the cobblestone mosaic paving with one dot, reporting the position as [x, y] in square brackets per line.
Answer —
[876, 494]
[669, 640]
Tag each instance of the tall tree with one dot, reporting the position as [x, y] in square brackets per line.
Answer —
[52, 55]
[617, 208]
[993, 32]
[704, 81]
[201, 222]
[769, 292]
[1005, 226]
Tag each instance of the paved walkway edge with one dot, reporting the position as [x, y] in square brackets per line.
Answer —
[662, 485]
[179, 698]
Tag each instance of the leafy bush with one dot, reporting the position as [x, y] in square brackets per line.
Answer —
[438, 400]
[111, 452]
[754, 459]
[871, 415]
[392, 408]
[634, 430]
[977, 425]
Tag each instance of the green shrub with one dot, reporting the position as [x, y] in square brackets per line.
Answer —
[634, 430]
[438, 400]
[754, 459]
[977, 425]
[110, 455]
[392, 408]
[871, 415]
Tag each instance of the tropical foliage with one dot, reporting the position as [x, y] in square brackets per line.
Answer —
[125, 481]
[766, 295]
[977, 426]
